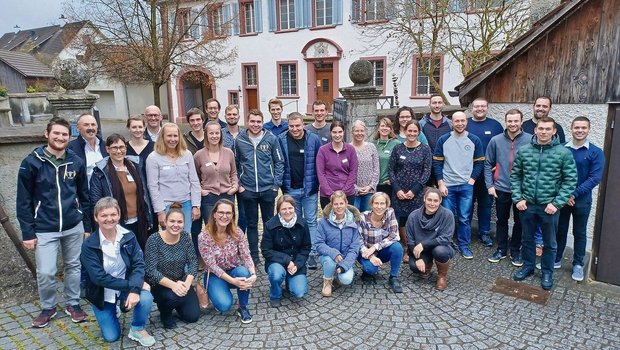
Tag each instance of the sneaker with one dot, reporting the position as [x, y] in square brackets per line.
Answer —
[244, 314]
[168, 321]
[466, 253]
[515, 259]
[141, 337]
[275, 303]
[44, 318]
[497, 256]
[311, 263]
[76, 313]
[577, 273]
[395, 284]
[556, 265]
[486, 240]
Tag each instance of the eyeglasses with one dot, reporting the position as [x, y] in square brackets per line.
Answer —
[152, 115]
[224, 213]
[117, 148]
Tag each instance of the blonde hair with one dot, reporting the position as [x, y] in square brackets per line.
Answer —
[160, 145]
[380, 194]
[338, 194]
[387, 121]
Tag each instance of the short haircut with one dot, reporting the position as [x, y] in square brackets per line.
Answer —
[230, 107]
[193, 111]
[380, 194]
[544, 97]
[295, 116]
[479, 99]
[160, 145]
[435, 95]
[580, 118]
[547, 119]
[214, 123]
[285, 198]
[114, 139]
[256, 111]
[219, 106]
[106, 203]
[318, 103]
[136, 119]
[387, 121]
[513, 111]
[84, 115]
[274, 101]
[358, 122]
[57, 121]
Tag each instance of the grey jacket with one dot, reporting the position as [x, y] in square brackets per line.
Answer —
[500, 154]
[261, 167]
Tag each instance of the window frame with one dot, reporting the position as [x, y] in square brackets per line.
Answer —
[382, 59]
[280, 94]
[217, 8]
[414, 81]
[326, 12]
[291, 18]
[364, 12]
[243, 4]
[232, 94]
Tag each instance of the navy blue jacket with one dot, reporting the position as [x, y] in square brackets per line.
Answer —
[52, 198]
[259, 168]
[79, 143]
[281, 245]
[98, 279]
[311, 149]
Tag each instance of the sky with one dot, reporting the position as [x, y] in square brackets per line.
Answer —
[29, 14]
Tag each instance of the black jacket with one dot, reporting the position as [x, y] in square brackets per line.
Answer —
[282, 245]
[78, 144]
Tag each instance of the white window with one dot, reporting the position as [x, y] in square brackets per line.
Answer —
[424, 66]
[288, 80]
[250, 75]
[374, 10]
[323, 13]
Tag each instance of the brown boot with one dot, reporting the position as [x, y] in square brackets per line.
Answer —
[403, 241]
[442, 275]
[327, 287]
[428, 270]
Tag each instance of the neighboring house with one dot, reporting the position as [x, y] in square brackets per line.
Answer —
[19, 70]
[571, 55]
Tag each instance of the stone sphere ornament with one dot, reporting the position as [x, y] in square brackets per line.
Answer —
[360, 72]
[71, 74]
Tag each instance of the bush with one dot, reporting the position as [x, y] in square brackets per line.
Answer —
[31, 89]
[3, 91]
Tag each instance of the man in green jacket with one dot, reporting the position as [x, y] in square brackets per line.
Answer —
[543, 177]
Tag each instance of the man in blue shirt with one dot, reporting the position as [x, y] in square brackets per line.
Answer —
[276, 125]
[590, 161]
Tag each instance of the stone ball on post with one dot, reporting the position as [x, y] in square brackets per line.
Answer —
[360, 72]
[71, 74]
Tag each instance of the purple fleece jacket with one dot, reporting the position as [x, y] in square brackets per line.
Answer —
[336, 171]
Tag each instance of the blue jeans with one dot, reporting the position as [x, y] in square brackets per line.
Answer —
[393, 254]
[535, 213]
[296, 284]
[219, 290]
[460, 202]
[329, 270]
[253, 200]
[361, 202]
[108, 321]
[485, 202]
[187, 214]
[309, 206]
[580, 213]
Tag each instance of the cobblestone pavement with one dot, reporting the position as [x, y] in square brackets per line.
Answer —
[368, 316]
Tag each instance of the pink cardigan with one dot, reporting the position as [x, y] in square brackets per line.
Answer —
[220, 178]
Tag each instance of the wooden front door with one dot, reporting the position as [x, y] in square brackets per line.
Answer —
[325, 86]
[606, 235]
[251, 100]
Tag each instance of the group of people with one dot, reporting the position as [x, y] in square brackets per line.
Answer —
[163, 205]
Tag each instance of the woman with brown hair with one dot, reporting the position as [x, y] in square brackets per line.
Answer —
[138, 145]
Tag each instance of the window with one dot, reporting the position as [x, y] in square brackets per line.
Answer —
[216, 20]
[233, 97]
[286, 11]
[248, 22]
[374, 10]
[475, 5]
[425, 68]
[323, 13]
[185, 22]
[287, 79]
[378, 72]
[251, 78]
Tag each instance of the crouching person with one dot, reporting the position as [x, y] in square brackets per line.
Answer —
[338, 241]
[114, 263]
[286, 245]
[429, 233]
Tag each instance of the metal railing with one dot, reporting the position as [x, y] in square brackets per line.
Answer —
[385, 102]
[340, 110]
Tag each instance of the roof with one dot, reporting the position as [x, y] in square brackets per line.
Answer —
[25, 64]
[519, 46]
[49, 40]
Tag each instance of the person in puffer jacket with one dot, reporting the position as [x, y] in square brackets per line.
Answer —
[338, 241]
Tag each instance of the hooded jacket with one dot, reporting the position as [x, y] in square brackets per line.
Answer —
[500, 155]
[543, 174]
[332, 240]
[261, 167]
[311, 149]
[52, 198]
[281, 245]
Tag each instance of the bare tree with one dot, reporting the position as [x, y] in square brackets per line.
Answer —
[146, 41]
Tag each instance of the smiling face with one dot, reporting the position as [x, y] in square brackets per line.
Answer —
[214, 134]
[57, 138]
[379, 205]
[153, 117]
[232, 116]
[223, 214]
[544, 132]
[87, 126]
[436, 104]
[174, 223]
[513, 123]
[404, 117]
[319, 112]
[359, 133]
[255, 124]
[195, 122]
[384, 130]
[213, 109]
[337, 134]
[287, 211]
[580, 130]
[296, 128]
[107, 219]
[542, 106]
[479, 109]
[117, 151]
[432, 201]
[276, 111]
[136, 129]
[412, 132]
[339, 206]
[171, 137]
[459, 122]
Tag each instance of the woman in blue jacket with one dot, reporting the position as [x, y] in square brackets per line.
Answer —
[338, 241]
[115, 266]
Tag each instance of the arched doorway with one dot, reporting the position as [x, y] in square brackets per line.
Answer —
[194, 87]
[322, 57]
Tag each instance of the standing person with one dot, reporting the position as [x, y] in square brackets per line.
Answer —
[429, 238]
[590, 162]
[338, 241]
[213, 108]
[367, 166]
[385, 140]
[171, 267]
[171, 176]
[115, 275]
[276, 125]
[378, 229]
[232, 128]
[336, 166]
[53, 212]
[435, 124]
[500, 154]
[88, 145]
[409, 168]
[403, 115]
[320, 127]
[195, 137]
[457, 162]
[122, 177]
[485, 128]
[227, 261]
[542, 108]
[138, 145]
[542, 180]
[300, 181]
[153, 122]
[286, 247]
[261, 167]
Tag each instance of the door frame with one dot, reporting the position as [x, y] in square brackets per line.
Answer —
[317, 71]
[325, 51]
[180, 89]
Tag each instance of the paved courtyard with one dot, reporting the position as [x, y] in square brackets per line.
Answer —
[365, 316]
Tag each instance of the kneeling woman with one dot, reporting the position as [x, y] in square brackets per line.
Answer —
[228, 263]
[171, 267]
[338, 241]
[379, 241]
[429, 233]
[115, 266]
[286, 245]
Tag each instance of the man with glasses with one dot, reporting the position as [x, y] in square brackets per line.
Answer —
[153, 122]
[213, 112]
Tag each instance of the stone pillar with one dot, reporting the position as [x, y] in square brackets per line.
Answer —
[361, 97]
[6, 119]
[73, 77]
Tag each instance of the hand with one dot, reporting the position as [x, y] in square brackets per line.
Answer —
[86, 235]
[232, 190]
[339, 259]
[471, 181]
[376, 261]
[387, 182]
[521, 205]
[186, 286]
[291, 268]
[401, 195]
[146, 286]
[409, 195]
[420, 265]
[132, 300]
[179, 288]
[241, 189]
[550, 209]
[571, 201]
[492, 192]
[30, 244]
[417, 250]
[369, 252]
[443, 189]
[161, 219]
[195, 213]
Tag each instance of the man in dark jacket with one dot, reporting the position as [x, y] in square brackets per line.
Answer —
[88, 145]
[299, 149]
[53, 211]
[542, 180]
[260, 166]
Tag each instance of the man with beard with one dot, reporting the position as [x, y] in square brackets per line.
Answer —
[153, 122]
[88, 145]
[541, 108]
[435, 124]
[53, 210]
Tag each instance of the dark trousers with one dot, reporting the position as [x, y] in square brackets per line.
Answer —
[187, 307]
[485, 202]
[503, 205]
[387, 189]
[535, 213]
[252, 200]
[440, 253]
[580, 213]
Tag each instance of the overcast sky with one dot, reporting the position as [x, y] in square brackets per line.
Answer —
[29, 14]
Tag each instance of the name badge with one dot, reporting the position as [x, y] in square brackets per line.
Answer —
[324, 139]
[130, 178]
[209, 164]
[403, 157]
[345, 161]
[488, 132]
[301, 150]
[387, 151]
[166, 167]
